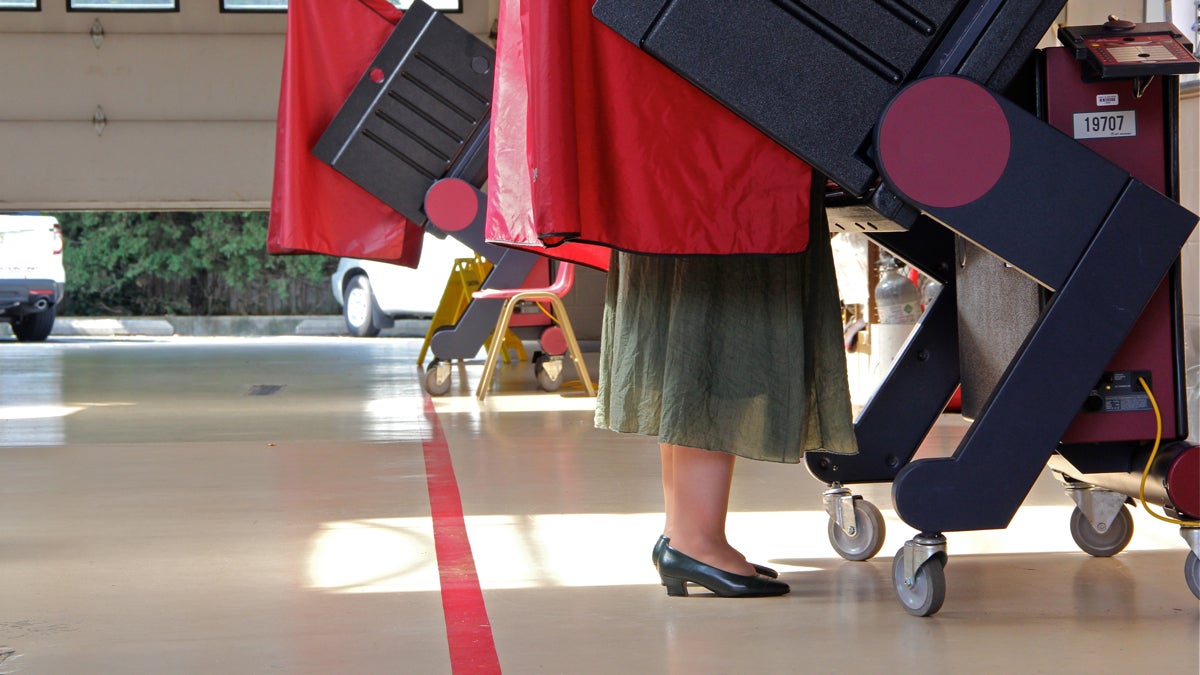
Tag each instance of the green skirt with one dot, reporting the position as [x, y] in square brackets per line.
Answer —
[739, 354]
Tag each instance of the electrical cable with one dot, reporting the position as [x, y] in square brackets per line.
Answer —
[1150, 462]
[545, 311]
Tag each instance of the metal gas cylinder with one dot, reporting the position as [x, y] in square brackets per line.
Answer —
[897, 300]
[897, 308]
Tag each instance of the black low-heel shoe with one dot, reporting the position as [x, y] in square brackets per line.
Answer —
[659, 547]
[677, 569]
[662, 542]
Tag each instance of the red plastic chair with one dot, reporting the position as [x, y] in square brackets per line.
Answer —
[553, 294]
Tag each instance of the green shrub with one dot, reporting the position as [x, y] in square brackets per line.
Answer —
[186, 263]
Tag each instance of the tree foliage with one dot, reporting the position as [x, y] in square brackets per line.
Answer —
[186, 263]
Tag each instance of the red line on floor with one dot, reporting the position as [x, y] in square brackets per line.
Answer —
[468, 630]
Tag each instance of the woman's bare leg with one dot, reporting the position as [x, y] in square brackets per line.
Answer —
[667, 453]
[697, 503]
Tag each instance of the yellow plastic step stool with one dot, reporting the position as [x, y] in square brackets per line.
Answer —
[465, 278]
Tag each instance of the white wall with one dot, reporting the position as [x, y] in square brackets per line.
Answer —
[1189, 184]
[189, 99]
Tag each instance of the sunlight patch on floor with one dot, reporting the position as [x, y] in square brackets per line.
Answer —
[387, 555]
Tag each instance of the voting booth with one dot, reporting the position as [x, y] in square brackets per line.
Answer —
[417, 124]
[1046, 179]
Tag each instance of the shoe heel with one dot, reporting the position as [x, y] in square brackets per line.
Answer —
[675, 587]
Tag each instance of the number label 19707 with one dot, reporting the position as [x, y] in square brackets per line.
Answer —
[1107, 124]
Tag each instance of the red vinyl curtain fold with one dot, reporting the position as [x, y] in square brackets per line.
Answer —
[594, 141]
[314, 209]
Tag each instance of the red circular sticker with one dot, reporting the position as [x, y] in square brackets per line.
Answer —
[452, 204]
[1183, 482]
[944, 142]
[553, 341]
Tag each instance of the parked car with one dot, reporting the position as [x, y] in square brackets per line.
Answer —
[32, 277]
[374, 294]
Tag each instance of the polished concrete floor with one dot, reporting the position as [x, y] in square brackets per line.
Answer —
[298, 505]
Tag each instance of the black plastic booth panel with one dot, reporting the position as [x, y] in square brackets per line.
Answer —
[419, 114]
[839, 61]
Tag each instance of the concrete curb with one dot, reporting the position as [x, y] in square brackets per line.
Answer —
[217, 326]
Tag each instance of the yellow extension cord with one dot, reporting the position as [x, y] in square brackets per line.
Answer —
[545, 311]
[1150, 463]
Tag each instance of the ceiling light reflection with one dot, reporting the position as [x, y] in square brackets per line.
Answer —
[514, 403]
[36, 412]
[393, 417]
[34, 425]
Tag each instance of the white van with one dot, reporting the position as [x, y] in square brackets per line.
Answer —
[32, 277]
[374, 294]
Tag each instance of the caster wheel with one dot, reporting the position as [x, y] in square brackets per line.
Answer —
[549, 377]
[548, 382]
[867, 540]
[1191, 571]
[928, 591]
[1102, 544]
[435, 385]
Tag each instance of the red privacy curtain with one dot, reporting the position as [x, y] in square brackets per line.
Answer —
[594, 141]
[510, 218]
[315, 209]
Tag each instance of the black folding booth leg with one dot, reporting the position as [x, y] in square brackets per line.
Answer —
[1069, 219]
[908, 402]
[509, 270]
[905, 406]
[983, 483]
